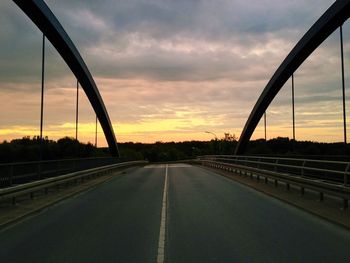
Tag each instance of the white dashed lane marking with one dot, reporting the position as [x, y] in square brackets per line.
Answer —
[162, 166]
[162, 233]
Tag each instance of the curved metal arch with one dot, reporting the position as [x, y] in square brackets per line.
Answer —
[334, 17]
[45, 20]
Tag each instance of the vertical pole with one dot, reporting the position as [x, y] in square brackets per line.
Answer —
[343, 80]
[42, 107]
[293, 107]
[77, 112]
[96, 133]
[265, 124]
[42, 97]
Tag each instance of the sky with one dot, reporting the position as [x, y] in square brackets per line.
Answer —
[169, 70]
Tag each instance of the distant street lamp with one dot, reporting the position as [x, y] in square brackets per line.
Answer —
[215, 143]
[212, 134]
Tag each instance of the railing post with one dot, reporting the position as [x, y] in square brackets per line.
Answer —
[302, 168]
[346, 174]
[321, 196]
[345, 203]
[275, 166]
[75, 166]
[39, 170]
[11, 174]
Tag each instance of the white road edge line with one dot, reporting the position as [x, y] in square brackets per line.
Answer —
[161, 242]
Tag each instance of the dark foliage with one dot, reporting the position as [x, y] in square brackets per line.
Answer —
[28, 149]
[283, 146]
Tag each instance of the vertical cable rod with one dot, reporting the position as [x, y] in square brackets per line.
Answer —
[293, 107]
[96, 133]
[343, 80]
[42, 97]
[77, 112]
[265, 124]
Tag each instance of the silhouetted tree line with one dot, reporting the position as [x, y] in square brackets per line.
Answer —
[28, 149]
[283, 146]
[173, 151]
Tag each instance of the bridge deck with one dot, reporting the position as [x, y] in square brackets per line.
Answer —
[209, 219]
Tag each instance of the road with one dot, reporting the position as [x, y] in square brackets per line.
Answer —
[209, 219]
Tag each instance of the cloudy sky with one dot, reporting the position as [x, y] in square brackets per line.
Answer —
[168, 70]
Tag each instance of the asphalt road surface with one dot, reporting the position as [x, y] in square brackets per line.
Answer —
[209, 219]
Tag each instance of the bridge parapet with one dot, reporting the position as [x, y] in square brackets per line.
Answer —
[45, 184]
[330, 177]
[24, 172]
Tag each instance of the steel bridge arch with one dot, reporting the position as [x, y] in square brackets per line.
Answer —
[333, 18]
[46, 21]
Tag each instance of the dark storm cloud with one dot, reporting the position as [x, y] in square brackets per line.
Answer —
[110, 25]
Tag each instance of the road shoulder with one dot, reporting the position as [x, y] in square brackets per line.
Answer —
[329, 209]
[25, 207]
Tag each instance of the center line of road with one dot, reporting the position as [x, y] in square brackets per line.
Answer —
[161, 242]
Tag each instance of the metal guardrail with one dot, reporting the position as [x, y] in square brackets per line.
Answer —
[255, 167]
[332, 171]
[32, 187]
[24, 172]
